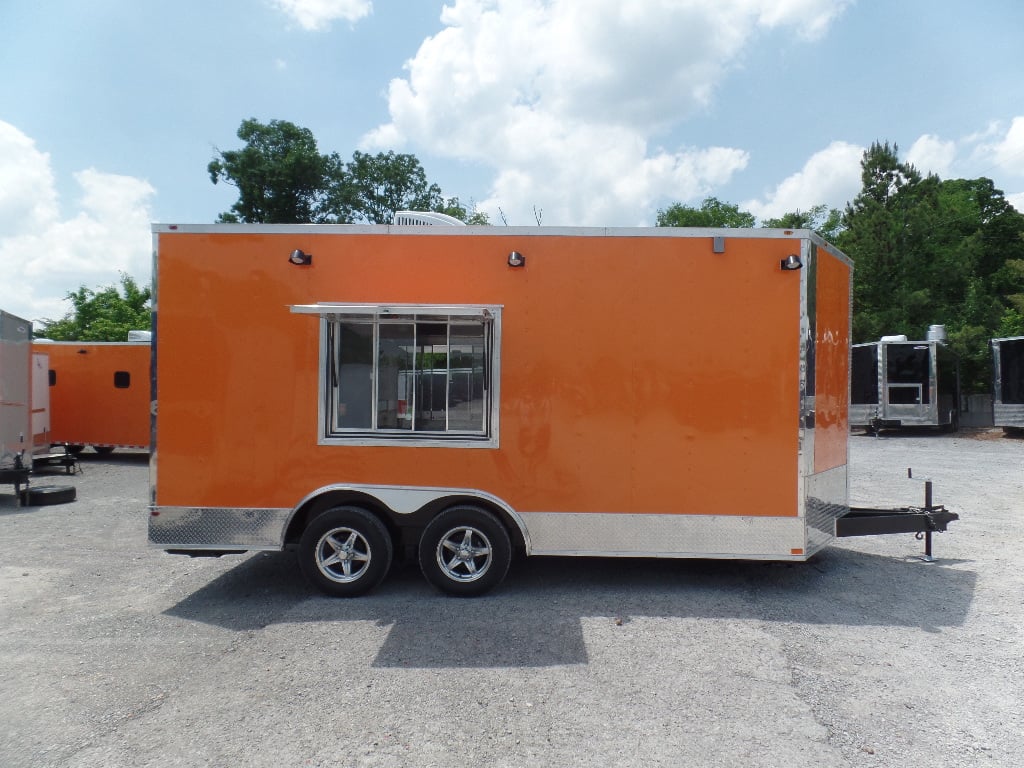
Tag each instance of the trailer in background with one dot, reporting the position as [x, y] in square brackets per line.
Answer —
[1008, 383]
[895, 382]
[15, 401]
[41, 441]
[100, 393]
[46, 453]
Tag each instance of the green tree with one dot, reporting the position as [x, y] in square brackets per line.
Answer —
[876, 236]
[453, 207]
[928, 251]
[711, 213]
[103, 314]
[371, 188]
[281, 176]
[826, 221]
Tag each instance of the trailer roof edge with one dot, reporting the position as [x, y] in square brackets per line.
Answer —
[490, 230]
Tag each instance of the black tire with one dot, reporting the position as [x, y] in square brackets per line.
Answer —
[465, 551]
[103, 450]
[74, 450]
[345, 551]
[45, 495]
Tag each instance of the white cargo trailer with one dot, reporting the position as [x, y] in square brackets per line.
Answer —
[15, 400]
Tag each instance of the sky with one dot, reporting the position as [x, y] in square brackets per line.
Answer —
[558, 112]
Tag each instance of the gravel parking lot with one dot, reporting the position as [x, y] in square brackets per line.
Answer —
[113, 654]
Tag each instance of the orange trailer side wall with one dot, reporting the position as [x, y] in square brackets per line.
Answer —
[85, 406]
[638, 374]
[832, 382]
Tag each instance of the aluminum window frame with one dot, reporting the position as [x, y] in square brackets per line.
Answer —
[489, 315]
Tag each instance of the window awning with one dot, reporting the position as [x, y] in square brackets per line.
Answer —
[410, 312]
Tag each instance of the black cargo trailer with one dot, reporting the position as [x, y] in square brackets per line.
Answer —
[896, 382]
[1008, 382]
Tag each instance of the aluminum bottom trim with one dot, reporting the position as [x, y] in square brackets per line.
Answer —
[1008, 415]
[675, 536]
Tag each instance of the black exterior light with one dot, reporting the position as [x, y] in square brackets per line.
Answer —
[516, 259]
[792, 262]
[301, 258]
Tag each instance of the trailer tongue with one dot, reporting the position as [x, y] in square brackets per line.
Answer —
[923, 521]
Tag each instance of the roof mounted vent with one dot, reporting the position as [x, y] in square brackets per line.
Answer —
[425, 218]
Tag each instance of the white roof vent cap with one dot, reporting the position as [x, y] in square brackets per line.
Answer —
[425, 218]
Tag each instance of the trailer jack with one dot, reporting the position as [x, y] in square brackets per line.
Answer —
[921, 521]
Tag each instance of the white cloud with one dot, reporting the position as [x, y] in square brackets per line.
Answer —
[1006, 153]
[831, 176]
[998, 153]
[317, 15]
[45, 256]
[27, 196]
[811, 18]
[930, 154]
[565, 99]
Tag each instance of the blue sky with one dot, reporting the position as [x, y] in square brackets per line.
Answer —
[592, 112]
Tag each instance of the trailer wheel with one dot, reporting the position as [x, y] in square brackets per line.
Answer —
[345, 551]
[465, 551]
[103, 450]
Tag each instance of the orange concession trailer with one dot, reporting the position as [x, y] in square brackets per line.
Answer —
[100, 393]
[459, 393]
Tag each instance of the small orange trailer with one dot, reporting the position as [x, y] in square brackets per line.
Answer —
[99, 393]
[460, 393]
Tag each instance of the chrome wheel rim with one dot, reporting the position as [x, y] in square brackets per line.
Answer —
[343, 555]
[464, 554]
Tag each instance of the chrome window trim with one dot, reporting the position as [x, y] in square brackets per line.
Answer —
[386, 313]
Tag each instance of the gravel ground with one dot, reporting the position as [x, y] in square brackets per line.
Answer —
[113, 654]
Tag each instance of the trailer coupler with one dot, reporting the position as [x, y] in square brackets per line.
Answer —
[921, 521]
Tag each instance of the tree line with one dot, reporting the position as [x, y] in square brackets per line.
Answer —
[283, 178]
[925, 251]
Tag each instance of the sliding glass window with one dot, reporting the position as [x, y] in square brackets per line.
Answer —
[423, 374]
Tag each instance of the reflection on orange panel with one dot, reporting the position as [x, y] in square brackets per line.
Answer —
[832, 362]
